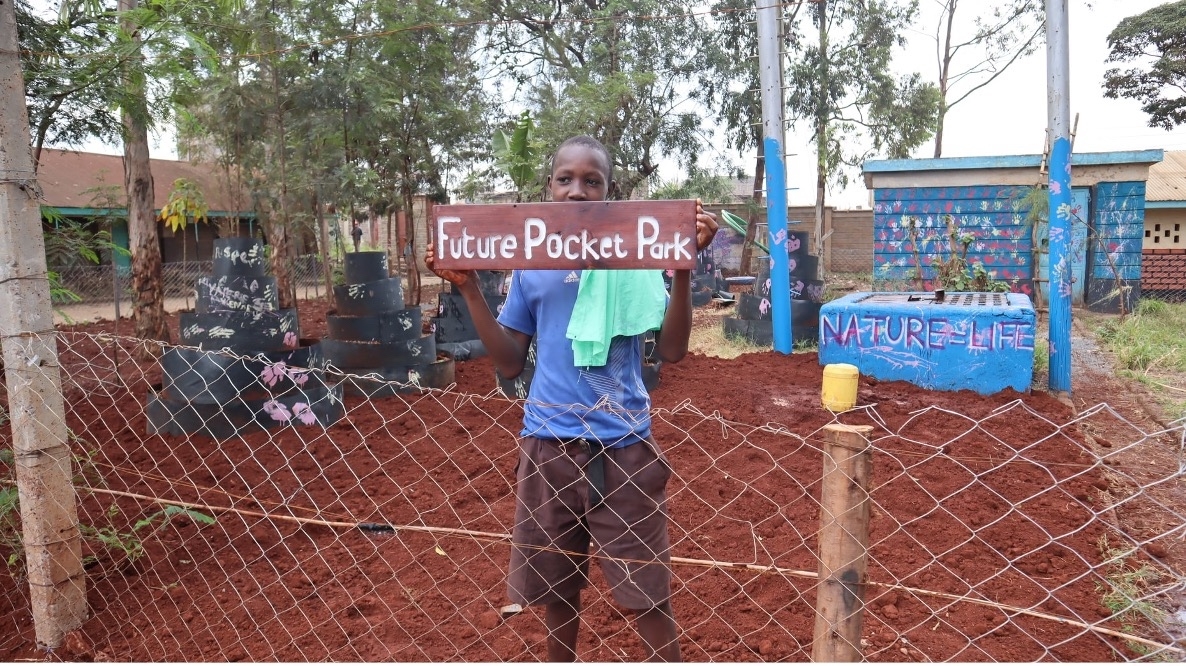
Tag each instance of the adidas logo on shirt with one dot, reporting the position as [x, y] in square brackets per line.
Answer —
[572, 277]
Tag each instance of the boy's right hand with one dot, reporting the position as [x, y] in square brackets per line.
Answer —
[459, 278]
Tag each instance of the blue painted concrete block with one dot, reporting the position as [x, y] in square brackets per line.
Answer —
[977, 341]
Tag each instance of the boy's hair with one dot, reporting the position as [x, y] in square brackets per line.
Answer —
[586, 141]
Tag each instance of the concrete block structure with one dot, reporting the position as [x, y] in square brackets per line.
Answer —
[977, 341]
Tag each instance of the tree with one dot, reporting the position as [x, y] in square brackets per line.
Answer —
[148, 302]
[614, 69]
[1155, 44]
[71, 73]
[843, 85]
[1001, 34]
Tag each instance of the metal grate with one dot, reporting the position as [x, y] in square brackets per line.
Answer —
[978, 299]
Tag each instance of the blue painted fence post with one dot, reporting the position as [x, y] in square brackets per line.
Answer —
[1058, 109]
[770, 74]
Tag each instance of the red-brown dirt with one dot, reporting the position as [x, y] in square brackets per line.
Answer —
[976, 501]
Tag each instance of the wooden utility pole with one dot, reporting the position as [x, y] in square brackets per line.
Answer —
[49, 513]
[843, 544]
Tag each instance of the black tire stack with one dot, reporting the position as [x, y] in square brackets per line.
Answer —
[453, 326]
[754, 310]
[250, 370]
[376, 345]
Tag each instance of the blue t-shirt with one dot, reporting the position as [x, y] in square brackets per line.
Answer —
[609, 404]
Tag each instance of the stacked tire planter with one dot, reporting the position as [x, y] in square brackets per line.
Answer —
[754, 312]
[375, 345]
[453, 326]
[250, 370]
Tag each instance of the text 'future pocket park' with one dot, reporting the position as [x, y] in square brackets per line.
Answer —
[567, 235]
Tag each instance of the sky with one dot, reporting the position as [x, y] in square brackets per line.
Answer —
[1007, 117]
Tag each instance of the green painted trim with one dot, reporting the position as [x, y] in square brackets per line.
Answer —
[122, 212]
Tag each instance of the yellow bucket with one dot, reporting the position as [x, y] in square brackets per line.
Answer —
[840, 386]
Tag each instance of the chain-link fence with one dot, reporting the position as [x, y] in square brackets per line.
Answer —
[315, 526]
[100, 284]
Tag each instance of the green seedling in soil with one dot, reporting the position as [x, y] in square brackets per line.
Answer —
[1125, 592]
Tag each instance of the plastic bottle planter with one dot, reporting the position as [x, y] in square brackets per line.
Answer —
[375, 344]
[250, 370]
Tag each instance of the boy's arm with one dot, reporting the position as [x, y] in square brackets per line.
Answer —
[506, 347]
[672, 342]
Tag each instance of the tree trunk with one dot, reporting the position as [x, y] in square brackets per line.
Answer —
[413, 271]
[821, 136]
[327, 271]
[148, 298]
[278, 233]
[41, 457]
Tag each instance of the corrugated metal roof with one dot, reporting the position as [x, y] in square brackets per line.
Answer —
[66, 176]
[1167, 178]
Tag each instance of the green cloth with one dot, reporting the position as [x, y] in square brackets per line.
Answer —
[613, 303]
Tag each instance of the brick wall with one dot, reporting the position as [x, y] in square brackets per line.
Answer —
[1163, 270]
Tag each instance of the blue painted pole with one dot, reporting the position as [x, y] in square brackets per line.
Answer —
[1058, 109]
[770, 77]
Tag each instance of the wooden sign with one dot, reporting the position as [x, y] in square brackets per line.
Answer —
[567, 235]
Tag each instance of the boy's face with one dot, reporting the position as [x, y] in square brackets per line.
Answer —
[580, 173]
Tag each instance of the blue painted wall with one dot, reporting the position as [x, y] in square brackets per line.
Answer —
[1115, 252]
[994, 215]
[936, 346]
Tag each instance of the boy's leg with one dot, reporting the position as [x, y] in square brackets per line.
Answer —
[630, 529]
[563, 620]
[657, 629]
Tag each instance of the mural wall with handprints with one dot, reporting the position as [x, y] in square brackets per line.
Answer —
[1114, 264]
[991, 215]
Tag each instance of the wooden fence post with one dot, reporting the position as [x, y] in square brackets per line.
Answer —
[49, 514]
[843, 544]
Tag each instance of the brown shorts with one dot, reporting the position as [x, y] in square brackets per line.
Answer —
[554, 524]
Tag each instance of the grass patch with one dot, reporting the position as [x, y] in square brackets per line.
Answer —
[710, 340]
[1149, 347]
[1127, 591]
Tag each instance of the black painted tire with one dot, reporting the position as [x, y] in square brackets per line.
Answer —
[383, 327]
[362, 267]
[367, 298]
[239, 256]
[379, 382]
[247, 332]
[215, 377]
[236, 292]
[357, 354]
[321, 406]
[805, 266]
[752, 307]
[762, 332]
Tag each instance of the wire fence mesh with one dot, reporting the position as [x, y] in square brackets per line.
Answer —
[376, 527]
[100, 284]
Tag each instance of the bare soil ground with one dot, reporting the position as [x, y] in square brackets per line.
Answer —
[987, 520]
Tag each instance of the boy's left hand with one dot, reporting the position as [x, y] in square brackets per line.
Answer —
[706, 226]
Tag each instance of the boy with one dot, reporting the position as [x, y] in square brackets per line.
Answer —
[588, 466]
